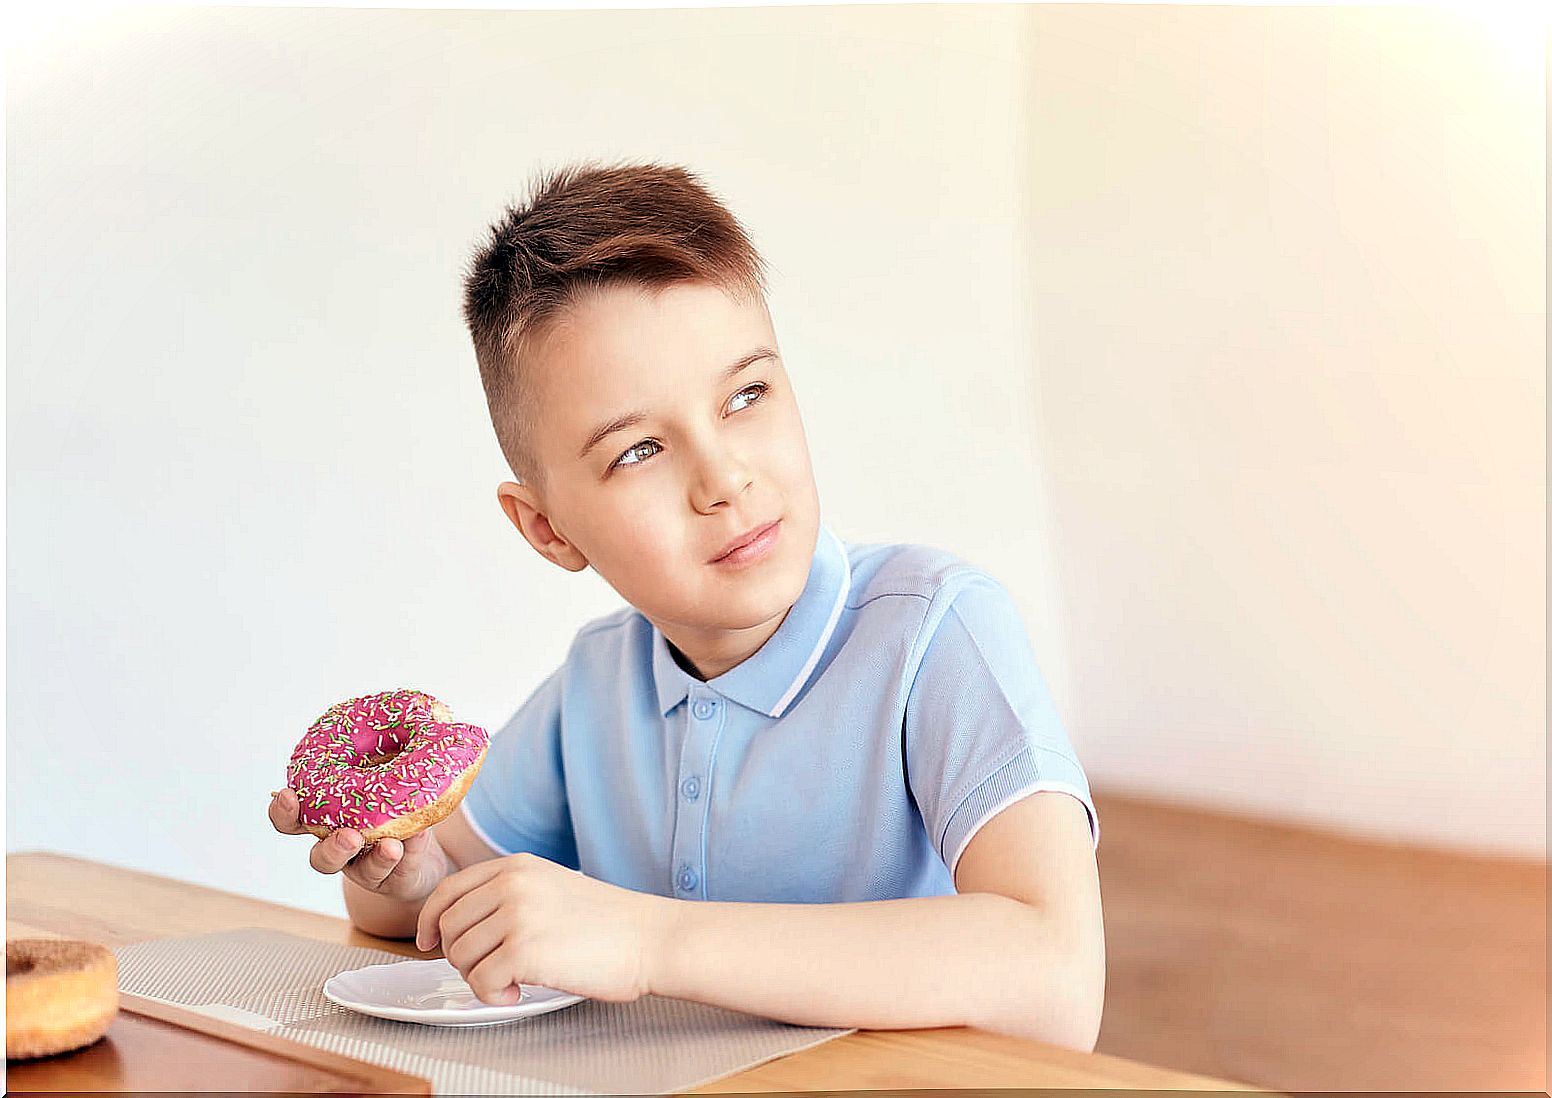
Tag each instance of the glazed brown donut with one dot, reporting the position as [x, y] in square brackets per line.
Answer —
[60, 994]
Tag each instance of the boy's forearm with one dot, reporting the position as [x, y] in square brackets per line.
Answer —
[385, 916]
[975, 959]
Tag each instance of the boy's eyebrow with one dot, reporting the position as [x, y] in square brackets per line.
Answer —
[630, 419]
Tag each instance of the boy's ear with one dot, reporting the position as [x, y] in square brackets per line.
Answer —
[522, 508]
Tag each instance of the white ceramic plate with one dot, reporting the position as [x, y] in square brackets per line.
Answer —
[434, 994]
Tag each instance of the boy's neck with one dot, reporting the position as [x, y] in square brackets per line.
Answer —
[715, 664]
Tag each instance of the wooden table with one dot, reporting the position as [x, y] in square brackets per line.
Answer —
[51, 894]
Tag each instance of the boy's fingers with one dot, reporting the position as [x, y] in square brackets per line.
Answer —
[283, 813]
[374, 867]
[330, 855]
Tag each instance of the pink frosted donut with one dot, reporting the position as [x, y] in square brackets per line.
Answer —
[385, 764]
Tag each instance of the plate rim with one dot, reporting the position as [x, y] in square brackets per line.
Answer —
[481, 1015]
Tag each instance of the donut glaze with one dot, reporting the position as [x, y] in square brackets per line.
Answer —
[371, 760]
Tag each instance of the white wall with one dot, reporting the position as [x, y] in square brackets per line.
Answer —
[250, 469]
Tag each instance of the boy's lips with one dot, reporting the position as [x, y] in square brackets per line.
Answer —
[743, 539]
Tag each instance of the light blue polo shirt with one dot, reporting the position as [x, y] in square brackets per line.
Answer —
[896, 710]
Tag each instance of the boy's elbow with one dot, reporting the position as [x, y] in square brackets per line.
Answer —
[1079, 1003]
[1078, 1028]
[1086, 979]
[1070, 1018]
[1085, 1032]
[1089, 998]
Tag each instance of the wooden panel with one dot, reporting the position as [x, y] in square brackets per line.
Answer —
[1310, 961]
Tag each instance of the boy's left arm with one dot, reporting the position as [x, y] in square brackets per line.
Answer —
[1020, 949]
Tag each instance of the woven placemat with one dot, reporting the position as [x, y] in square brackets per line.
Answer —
[273, 981]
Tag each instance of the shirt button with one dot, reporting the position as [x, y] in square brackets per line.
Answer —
[704, 709]
[691, 788]
[687, 879]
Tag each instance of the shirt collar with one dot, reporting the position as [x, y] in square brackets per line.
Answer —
[769, 680]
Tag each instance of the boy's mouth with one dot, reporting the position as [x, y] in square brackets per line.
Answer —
[759, 534]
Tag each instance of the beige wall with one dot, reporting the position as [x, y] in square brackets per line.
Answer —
[1212, 335]
[1290, 370]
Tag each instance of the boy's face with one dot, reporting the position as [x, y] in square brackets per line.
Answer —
[650, 505]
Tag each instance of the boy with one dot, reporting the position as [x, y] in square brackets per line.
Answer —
[795, 780]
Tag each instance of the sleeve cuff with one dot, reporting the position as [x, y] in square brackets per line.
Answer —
[1016, 779]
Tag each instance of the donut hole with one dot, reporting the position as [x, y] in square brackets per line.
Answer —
[396, 741]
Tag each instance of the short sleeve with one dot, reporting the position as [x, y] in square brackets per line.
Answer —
[517, 802]
[981, 730]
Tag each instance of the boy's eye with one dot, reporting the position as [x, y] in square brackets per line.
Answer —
[759, 388]
[643, 444]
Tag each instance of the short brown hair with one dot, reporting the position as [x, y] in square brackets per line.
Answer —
[582, 227]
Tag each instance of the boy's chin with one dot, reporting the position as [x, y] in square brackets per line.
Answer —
[752, 595]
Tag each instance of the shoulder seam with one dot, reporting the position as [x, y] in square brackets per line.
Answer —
[944, 580]
[967, 570]
[885, 595]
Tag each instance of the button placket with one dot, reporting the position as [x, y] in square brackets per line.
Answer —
[703, 722]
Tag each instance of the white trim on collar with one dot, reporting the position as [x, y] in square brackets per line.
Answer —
[824, 637]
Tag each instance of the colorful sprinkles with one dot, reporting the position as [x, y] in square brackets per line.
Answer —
[370, 759]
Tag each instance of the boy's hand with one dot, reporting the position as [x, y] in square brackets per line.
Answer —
[523, 919]
[407, 870]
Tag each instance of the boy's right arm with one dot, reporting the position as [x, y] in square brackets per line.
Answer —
[386, 887]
